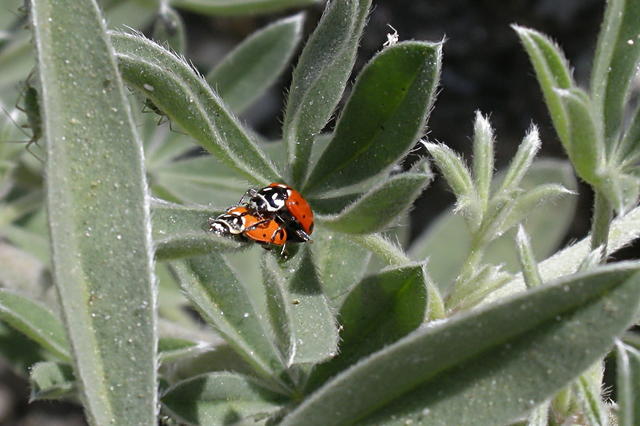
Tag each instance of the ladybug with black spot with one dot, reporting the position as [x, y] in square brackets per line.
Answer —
[239, 220]
[287, 206]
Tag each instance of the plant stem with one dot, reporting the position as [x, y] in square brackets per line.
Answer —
[601, 220]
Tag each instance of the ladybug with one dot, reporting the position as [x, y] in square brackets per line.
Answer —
[239, 220]
[286, 205]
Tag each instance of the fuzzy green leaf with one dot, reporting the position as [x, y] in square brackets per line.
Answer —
[180, 231]
[483, 141]
[552, 71]
[453, 169]
[36, 322]
[213, 288]
[521, 161]
[586, 149]
[380, 206]
[299, 311]
[187, 99]
[383, 118]
[221, 399]
[168, 29]
[238, 7]
[528, 261]
[494, 364]
[380, 310]
[98, 212]
[51, 380]
[628, 384]
[614, 66]
[341, 263]
[319, 79]
[256, 63]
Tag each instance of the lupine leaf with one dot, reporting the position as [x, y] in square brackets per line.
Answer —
[319, 79]
[615, 64]
[211, 285]
[552, 71]
[483, 141]
[381, 309]
[488, 366]
[256, 63]
[187, 99]
[299, 310]
[384, 116]
[36, 322]
[380, 206]
[587, 147]
[98, 213]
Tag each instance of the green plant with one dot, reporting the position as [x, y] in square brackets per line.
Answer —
[462, 327]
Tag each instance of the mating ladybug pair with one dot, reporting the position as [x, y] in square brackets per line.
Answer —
[274, 215]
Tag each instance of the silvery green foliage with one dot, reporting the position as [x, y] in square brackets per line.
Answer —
[478, 316]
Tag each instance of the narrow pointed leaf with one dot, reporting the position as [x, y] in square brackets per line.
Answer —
[521, 161]
[51, 380]
[586, 147]
[384, 116]
[187, 99]
[36, 322]
[628, 384]
[211, 285]
[180, 231]
[255, 64]
[615, 63]
[528, 261]
[98, 213]
[496, 363]
[300, 312]
[380, 206]
[238, 7]
[319, 79]
[221, 398]
[483, 142]
[552, 71]
[453, 169]
[380, 310]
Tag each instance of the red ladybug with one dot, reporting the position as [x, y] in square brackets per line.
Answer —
[239, 220]
[286, 205]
